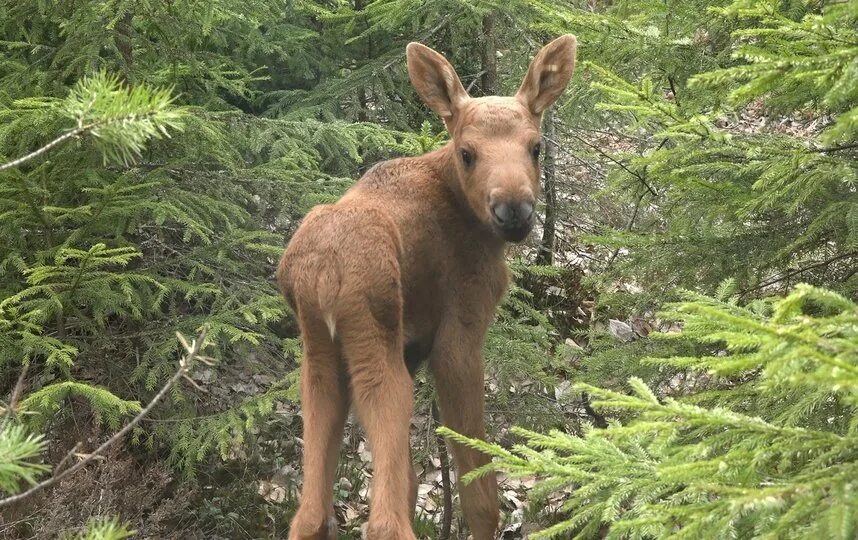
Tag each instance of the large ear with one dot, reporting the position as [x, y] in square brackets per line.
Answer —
[548, 74]
[435, 80]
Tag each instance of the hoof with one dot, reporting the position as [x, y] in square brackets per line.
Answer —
[310, 529]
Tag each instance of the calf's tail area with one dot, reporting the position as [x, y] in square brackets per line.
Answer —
[342, 269]
[311, 285]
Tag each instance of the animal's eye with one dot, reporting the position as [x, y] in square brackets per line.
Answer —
[467, 158]
[537, 148]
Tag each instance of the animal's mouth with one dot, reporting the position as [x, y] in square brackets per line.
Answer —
[514, 234]
[512, 220]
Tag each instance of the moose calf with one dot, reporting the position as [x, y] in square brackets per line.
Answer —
[409, 266]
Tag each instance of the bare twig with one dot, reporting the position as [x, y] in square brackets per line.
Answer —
[76, 132]
[192, 351]
[36, 153]
[619, 163]
[446, 484]
[833, 148]
[15, 396]
[673, 90]
[68, 456]
[797, 271]
[571, 154]
[474, 82]
[629, 226]
[598, 420]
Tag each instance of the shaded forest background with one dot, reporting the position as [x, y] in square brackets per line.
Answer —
[701, 165]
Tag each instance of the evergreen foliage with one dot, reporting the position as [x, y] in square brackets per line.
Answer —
[766, 448]
[760, 204]
[105, 529]
[17, 449]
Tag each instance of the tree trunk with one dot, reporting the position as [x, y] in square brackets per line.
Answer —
[488, 57]
[545, 255]
[362, 96]
[122, 42]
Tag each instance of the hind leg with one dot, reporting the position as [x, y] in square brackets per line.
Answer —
[324, 406]
[382, 391]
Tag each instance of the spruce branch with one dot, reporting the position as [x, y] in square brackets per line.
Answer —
[78, 131]
[186, 362]
[121, 119]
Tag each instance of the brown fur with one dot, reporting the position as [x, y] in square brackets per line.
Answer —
[410, 263]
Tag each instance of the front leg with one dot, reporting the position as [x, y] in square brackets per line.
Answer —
[457, 367]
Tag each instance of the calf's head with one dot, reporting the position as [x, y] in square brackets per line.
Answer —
[496, 140]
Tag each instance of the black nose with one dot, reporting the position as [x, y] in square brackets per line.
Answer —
[513, 215]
